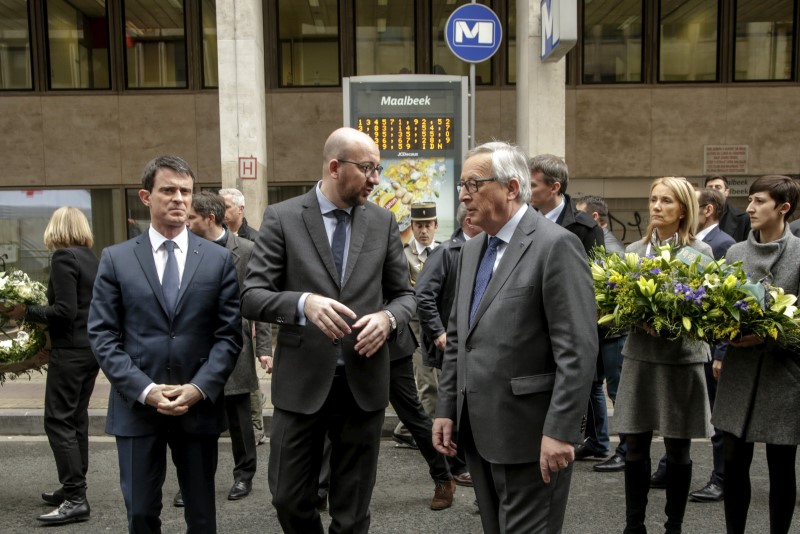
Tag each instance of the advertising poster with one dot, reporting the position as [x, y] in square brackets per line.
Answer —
[419, 125]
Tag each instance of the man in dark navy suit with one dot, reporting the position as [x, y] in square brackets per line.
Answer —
[732, 220]
[165, 327]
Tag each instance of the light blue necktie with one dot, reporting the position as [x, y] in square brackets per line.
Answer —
[170, 281]
[485, 271]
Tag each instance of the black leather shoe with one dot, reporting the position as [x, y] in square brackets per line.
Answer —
[659, 479]
[177, 501]
[404, 441]
[240, 490]
[584, 452]
[67, 512]
[612, 465]
[710, 493]
[54, 497]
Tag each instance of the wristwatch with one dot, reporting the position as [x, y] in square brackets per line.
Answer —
[392, 320]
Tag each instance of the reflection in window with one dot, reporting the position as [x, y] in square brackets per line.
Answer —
[77, 35]
[15, 46]
[688, 42]
[764, 35]
[511, 30]
[155, 43]
[443, 60]
[24, 214]
[210, 67]
[612, 41]
[384, 37]
[308, 40]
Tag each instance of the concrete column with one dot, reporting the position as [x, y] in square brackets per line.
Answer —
[242, 100]
[541, 95]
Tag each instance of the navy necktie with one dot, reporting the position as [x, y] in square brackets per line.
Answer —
[339, 241]
[170, 281]
[485, 271]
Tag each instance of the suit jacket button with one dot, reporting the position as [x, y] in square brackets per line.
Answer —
[335, 341]
[469, 348]
[463, 391]
[172, 335]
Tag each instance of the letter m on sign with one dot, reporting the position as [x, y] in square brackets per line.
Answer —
[474, 32]
[550, 31]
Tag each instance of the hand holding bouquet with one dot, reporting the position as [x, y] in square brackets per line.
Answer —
[688, 294]
[20, 341]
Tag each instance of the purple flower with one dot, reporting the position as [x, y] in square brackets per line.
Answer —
[611, 285]
[742, 306]
[655, 271]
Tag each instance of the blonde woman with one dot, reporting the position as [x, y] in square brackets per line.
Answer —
[72, 369]
[663, 385]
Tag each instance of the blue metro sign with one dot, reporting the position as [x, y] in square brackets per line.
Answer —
[473, 33]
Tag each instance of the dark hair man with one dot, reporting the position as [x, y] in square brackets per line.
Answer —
[165, 327]
[205, 219]
[732, 220]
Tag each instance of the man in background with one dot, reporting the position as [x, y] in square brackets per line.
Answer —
[732, 221]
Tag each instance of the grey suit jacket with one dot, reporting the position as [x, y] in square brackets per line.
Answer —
[244, 379]
[293, 256]
[526, 365]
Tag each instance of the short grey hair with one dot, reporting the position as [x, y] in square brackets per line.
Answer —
[508, 162]
[553, 168]
[236, 196]
[461, 214]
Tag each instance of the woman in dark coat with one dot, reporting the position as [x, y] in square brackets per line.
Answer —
[72, 368]
[663, 385]
[758, 396]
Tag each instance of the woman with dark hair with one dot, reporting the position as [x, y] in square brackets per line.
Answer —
[663, 385]
[758, 395]
[72, 368]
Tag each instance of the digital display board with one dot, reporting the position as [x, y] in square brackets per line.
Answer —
[419, 123]
[409, 133]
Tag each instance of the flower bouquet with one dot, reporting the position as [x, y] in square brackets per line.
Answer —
[688, 294]
[21, 343]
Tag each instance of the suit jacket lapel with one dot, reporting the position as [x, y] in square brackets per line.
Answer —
[194, 255]
[144, 253]
[316, 229]
[520, 241]
[358, 232]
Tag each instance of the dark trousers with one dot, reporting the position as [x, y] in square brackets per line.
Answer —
[782, 484]
[717, 440]
[513, 498]
[71, 375]
[295, 460]
[403, 396]
[143, 467]
[243, 439]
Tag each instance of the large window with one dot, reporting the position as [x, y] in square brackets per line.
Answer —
[77, 39]
[688, 41]
[384, 37]
[764, 36]
[155, 42]
[308, 41]
[209, 42]
[612, 41]
[443, 60]
[15, 45]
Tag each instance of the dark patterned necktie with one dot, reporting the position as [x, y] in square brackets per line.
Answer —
[485, 270]
[339, 240]
[170, 281]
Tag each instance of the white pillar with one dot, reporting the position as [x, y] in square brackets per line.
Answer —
[541, 95]
[242, 100]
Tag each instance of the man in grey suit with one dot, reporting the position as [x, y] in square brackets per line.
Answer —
[164, 325]
[323, 266]
[205, 219]
[521, 349]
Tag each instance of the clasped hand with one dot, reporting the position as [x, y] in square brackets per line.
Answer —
[170, 399]
[329, 316]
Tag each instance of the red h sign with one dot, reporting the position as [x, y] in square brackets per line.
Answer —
[248, 168]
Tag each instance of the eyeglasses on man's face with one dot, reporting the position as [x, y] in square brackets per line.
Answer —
[474, 184]
[366, 168]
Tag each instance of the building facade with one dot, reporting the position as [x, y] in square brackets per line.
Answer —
[90, 90]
